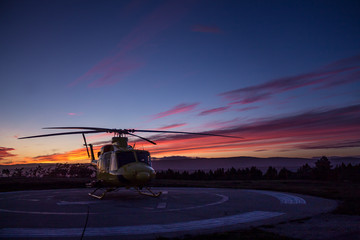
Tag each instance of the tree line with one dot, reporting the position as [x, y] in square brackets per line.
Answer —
[322, 171]
[60, 170]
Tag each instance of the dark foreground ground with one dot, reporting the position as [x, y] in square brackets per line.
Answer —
[347, 193]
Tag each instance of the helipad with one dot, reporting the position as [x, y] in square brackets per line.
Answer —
[71, 213]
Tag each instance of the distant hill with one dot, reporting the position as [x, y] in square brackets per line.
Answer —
[292, 164]
[182, 163]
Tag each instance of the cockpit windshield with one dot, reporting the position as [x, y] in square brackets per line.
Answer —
[144, 157]
[123, 158]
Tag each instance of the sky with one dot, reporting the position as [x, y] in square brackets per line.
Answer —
[282, 75]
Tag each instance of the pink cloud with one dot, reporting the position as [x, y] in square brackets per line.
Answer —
[341, 72]
[319, 129]
[5, 153]
[172, 126]
[181, 108]
[334, 129]
[247, 109]
[75, 114]
[221, 124]
[214, 110]
[206, 29]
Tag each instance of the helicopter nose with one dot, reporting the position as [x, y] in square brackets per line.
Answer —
[143, 176]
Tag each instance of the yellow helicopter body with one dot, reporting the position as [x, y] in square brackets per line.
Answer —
[120, 165]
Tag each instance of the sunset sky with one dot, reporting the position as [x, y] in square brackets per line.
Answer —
[283, 75]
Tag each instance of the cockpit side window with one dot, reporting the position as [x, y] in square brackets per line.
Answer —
[144, 157]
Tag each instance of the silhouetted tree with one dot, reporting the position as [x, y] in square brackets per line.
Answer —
[5, 172]
[18, 172]
[255, 174]
[231, 174]
[322, 168]
[347, 172]
[284, 174]
[271, 173]
[304, 172]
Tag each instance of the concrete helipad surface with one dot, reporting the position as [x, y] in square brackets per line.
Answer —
[68, 213]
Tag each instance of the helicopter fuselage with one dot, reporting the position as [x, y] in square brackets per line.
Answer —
[124, 166]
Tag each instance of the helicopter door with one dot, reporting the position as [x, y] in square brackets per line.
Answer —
[113, 163]
[105, 162]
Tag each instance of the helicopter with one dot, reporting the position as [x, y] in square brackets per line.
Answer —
[119, 164]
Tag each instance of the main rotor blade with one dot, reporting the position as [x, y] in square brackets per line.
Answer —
[128, 131]
[193, 133]
[142, 138]
[64, 133]
[108, 130]
[86, 128]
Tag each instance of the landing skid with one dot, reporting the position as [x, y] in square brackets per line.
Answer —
[92, 194]
[149, 193]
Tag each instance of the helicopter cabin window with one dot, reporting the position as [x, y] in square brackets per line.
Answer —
[124, 158]
[144, 157]
[105, 162]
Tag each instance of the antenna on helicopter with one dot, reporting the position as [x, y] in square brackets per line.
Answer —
[87, 150]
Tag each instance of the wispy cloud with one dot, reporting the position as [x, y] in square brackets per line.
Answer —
[181, 108]
[341, 72]
[206, 29]
[247, 109]
[322, 129]
[74, 156]
[115, 68]
[337, 128]
[5, 153]
[330, 145]
[222, 124]
[176, 125]
[214, 110]
[75, 114]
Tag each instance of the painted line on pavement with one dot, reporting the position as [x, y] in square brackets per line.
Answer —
[282, 197]
[139, 229]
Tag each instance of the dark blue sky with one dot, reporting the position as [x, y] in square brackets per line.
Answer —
[182, 65]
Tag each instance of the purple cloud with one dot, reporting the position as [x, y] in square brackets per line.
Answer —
[181, 108]
[334, 128]
[341, 72]
[5, 153]
[214, 110]
[176, 125]
[247, 109]
[115, 68]
[336, 144]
